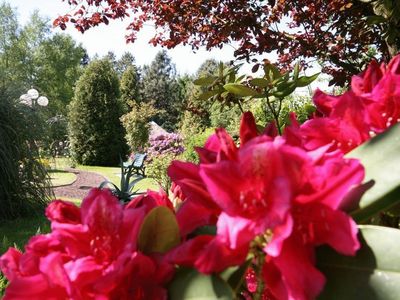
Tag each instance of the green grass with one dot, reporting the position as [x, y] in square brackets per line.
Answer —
[17, 232]
[110, 173]
[60, 177]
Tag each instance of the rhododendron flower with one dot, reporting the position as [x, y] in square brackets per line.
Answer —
[91, 253]
[370, 107]
[273, 190]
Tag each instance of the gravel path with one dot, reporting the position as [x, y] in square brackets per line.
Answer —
[80, 187]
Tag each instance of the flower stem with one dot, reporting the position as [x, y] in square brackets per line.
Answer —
[260, 280]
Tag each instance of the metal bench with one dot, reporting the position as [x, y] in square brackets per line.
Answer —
[137, 165]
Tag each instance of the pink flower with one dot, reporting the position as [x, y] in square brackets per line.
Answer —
[276, 194]
[344, 125]
[90, 253]
[350, 119]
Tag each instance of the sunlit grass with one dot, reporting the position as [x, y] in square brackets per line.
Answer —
[112, 174]
[60, 177]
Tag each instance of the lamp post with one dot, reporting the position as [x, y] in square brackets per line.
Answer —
[31, 98]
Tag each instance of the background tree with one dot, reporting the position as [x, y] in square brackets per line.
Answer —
[95, 132]
[126, 60]
[160, 87]
[12, 52]
[58, 63]
[332, 31]
[58, 66]
[130, 86]
[196, 117]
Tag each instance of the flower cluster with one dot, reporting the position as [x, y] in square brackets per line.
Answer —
[166, 143]
[91, 253]
[369, 108]
[268, 197]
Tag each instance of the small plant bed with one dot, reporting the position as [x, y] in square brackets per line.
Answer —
[61, 178]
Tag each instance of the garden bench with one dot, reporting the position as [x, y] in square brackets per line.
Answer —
[137, 165]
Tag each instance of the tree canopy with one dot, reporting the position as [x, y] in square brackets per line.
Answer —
[333, 31]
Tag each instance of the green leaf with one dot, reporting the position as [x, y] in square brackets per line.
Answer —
[221, 68]
[240, 78]
[207, 95]
[284, 89]
[296, 71]
[271, 72]
[306, 80]
[234, 276]
[134, 182]
[188, 284]
[159, 231]
[240, 90]
[208, 229]
[204, 81]
[260, 82]
[381, 158]
[372, 20]
[373, 274]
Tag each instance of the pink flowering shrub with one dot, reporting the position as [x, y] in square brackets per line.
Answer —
[270, 198]
[167, 143]
[91, 253]
[369, 108]
[264, 205]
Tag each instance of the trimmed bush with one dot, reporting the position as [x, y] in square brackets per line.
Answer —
[95, 131]
[136, 124]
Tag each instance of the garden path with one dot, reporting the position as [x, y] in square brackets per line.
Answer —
[80, 187]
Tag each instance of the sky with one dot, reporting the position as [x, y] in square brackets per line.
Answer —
[104, 38]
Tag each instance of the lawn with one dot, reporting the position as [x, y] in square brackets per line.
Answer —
[17, 232]
[110, 173]
[61, 177]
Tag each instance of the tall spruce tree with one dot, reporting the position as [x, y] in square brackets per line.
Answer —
[130, 86]
[124, 62]
[160, 86]
[96, 134]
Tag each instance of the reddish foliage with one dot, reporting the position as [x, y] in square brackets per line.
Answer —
[333, 31]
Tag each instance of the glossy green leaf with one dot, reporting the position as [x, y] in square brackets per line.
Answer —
[373, 274]
[306, 80]
[381, 158]
[284, 89]
[232, 77]
[159, 231]
[204, 81]
[260, 82]
[240, 90]
[207, 95]
[240, 78]
[188, 284]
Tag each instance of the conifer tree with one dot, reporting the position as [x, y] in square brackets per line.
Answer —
[96, 134]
